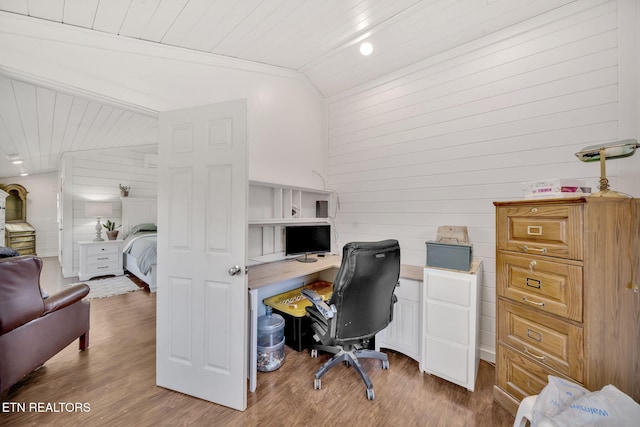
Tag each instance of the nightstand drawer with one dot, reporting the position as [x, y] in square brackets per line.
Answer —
[97, 269]
[519, 376]
[549, 341]
[104, 258]
[103, 248]
[553, 287]
[554, 230]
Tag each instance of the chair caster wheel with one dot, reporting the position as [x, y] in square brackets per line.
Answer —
[385, 364]
[317, 384]
[370, 394]
[314, 353]
[347, 363]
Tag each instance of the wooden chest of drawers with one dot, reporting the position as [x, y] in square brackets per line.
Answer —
[21, 236]
[567, 277]
[100, 259]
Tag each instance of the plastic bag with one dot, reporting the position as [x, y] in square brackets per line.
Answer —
[554, 398]
[563, 403]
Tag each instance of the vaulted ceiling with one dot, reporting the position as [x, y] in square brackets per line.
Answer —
[317, 38]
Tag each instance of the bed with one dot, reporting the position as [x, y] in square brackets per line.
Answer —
[139, 217]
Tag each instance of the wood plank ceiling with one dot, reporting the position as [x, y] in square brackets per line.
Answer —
[317, 38]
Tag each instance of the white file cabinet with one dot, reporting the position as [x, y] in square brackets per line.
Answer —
[450, 324]
[100, 259]
[403, 333]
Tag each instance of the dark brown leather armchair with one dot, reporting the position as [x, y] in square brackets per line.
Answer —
[33, 329]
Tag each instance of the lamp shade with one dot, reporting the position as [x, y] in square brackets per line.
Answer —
[98, 209]
[611, 150]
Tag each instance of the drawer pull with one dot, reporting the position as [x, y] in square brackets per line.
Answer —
[541, 250]
[534, 335]
[101, 258]
[535, 356]
[533, 283]
[103, 267]
[540, 304]
[534, 230]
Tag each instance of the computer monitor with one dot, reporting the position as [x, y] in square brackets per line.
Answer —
[307, 239]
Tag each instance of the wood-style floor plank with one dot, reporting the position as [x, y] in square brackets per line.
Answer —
[115, 377]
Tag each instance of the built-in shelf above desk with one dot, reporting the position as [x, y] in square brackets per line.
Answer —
[279, 205]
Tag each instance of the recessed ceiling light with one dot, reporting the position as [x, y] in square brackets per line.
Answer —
[366, 48]
[15, 159]
[24, 174]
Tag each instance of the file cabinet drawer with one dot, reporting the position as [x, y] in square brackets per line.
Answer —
[554, 230]
[520, 376]
[550, 286]
[552, 342]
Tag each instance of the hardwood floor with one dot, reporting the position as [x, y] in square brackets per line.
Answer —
[113, 382]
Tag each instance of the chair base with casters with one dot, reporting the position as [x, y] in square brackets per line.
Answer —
[349, 355]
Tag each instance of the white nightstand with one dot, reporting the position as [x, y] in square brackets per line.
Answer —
[100, 259]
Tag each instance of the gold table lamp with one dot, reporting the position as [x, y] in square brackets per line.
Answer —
[602, 152]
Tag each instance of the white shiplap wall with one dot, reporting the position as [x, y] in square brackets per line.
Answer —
[437, 142]
[94, 175]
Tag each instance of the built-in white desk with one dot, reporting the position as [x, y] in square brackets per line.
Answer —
[273, 273]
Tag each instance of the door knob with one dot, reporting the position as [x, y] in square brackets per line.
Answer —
[235, 270]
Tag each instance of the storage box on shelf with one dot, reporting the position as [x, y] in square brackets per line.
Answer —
[567, 297]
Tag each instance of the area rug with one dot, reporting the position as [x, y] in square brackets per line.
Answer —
[102, 288]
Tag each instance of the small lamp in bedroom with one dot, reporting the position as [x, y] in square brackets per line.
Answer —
[98, 210]
[602, 152]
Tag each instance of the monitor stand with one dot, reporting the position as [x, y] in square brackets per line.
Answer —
[306, 259]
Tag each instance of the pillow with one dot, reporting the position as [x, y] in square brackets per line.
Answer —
[143, 227]
[8, 252]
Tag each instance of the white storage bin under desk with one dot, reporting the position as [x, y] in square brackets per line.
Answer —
[450, 324]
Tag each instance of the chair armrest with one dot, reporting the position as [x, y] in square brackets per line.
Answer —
[65, 298]
[324, 309]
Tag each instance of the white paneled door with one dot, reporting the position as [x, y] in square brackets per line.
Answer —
[202, 229]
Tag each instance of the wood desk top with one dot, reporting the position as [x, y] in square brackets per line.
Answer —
[273, 272]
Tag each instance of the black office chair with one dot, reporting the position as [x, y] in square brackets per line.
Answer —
[361, 306]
